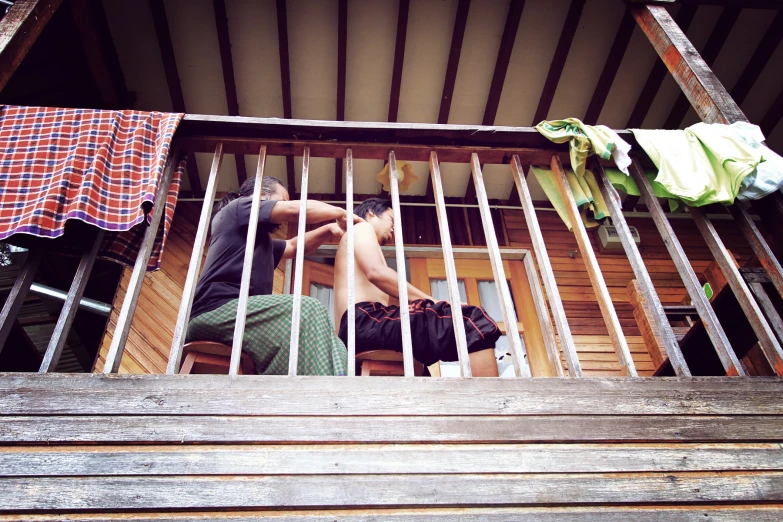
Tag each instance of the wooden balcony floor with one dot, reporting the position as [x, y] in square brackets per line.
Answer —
[160, 447]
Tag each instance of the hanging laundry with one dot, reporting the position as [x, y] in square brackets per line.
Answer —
[627, 184]
[768, 176]
[701, 165]
[585, 140]
[584, 187]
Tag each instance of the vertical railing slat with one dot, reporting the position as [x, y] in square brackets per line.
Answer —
[18, 293]
[402, 280]
[518, 353]
[544, 320]
[125, 317]
[759, 246]
[296, 312]
[711, 324]
[547, 273]
[351, 261]
[70, 306]
[768, 306]
[247, 266]
[451, 269]
[594, 271]
[661, 323]
[191, 280]
[769, 344]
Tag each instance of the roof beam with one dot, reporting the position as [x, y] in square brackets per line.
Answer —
[227, 63]
[499, 75]
[285, 79]
[711, 50]
[759, 60]
[399, 58]
[161, 23]
[19, 29]
[657, 74]
[342, 51]
[700, 85]
[612, 65]
[559, 59]
[457, 36]
[773, 116]
[750, 4]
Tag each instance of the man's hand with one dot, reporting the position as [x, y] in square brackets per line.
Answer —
[343, 220]
[336, 231]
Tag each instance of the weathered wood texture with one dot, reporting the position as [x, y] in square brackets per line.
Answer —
[616, 446]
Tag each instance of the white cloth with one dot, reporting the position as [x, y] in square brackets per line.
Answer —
[620, 151]
[768, 176]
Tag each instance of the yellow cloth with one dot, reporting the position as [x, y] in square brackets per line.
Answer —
[405, 177]
[586, 193]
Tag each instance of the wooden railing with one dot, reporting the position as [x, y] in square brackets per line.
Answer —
[515, 147]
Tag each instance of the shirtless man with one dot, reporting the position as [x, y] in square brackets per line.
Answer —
[378, 324]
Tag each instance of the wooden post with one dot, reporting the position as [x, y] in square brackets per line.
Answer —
[711, 324]
[594, 271]
[646, 320]
[247, 266]
[18, 293]
[547, 274]
[542, 313]
[656, 324]
[350, 262]
[296, 312]
[451, 269]
[517, 346]
[759, 245]
[189, 290]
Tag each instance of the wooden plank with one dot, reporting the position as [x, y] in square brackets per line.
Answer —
[111, 493]
[247, 266]
[71, 305]
[15, 298]
[342, 52]
[503, 58]
[399, 59]
[649, 303]
[542, 314]
[760, 247]
[769, 42]
[125, 317]
[699, 84]
[350, 260]
[227, 65]
[19, 29]
[706, 313]
[285, 79]
[166, 47]
[385, 459]
[769, 344]
[558, 60]
[646, 321]
[772, 116]
[547, 274]
[719, 34]
[270, 395]
[594, 271]
[194, 267]
[451, 270]
[611, 66]
[654, 81]
[296, 311]
[516, 344]
[769, 308]
[402, 280]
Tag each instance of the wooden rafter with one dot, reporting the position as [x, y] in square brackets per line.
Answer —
[285, 79]
[19, 29]
[712, 48]
[399, 58]
[769, 42]
[616, 53]
[342, 51]
[773, 115]
[499, 74]
[700, 85]
[748, 4]
[657, 74]
[460, 22]
[227, 63]
[161, 23]
[559, 59]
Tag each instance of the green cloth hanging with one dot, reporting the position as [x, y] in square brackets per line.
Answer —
[627, 184]
[584, 140]
[586, 193]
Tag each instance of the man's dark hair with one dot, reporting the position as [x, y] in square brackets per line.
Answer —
[377, 205]
[268, 186]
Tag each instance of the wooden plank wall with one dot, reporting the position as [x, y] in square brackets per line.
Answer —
[182, 447]
[153, 326]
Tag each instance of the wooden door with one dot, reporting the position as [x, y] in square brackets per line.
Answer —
[318, 282]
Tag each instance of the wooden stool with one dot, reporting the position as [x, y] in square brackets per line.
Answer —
[385, 362]
[212, 358]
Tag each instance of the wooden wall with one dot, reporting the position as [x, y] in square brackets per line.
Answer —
[152, 329]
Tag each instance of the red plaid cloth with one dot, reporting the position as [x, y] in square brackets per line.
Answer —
[100, 167]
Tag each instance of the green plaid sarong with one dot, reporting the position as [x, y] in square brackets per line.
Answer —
[268, 334]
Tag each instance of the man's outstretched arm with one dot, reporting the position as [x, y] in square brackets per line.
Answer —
[370, 261]
[316, 212]
[313, 240]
